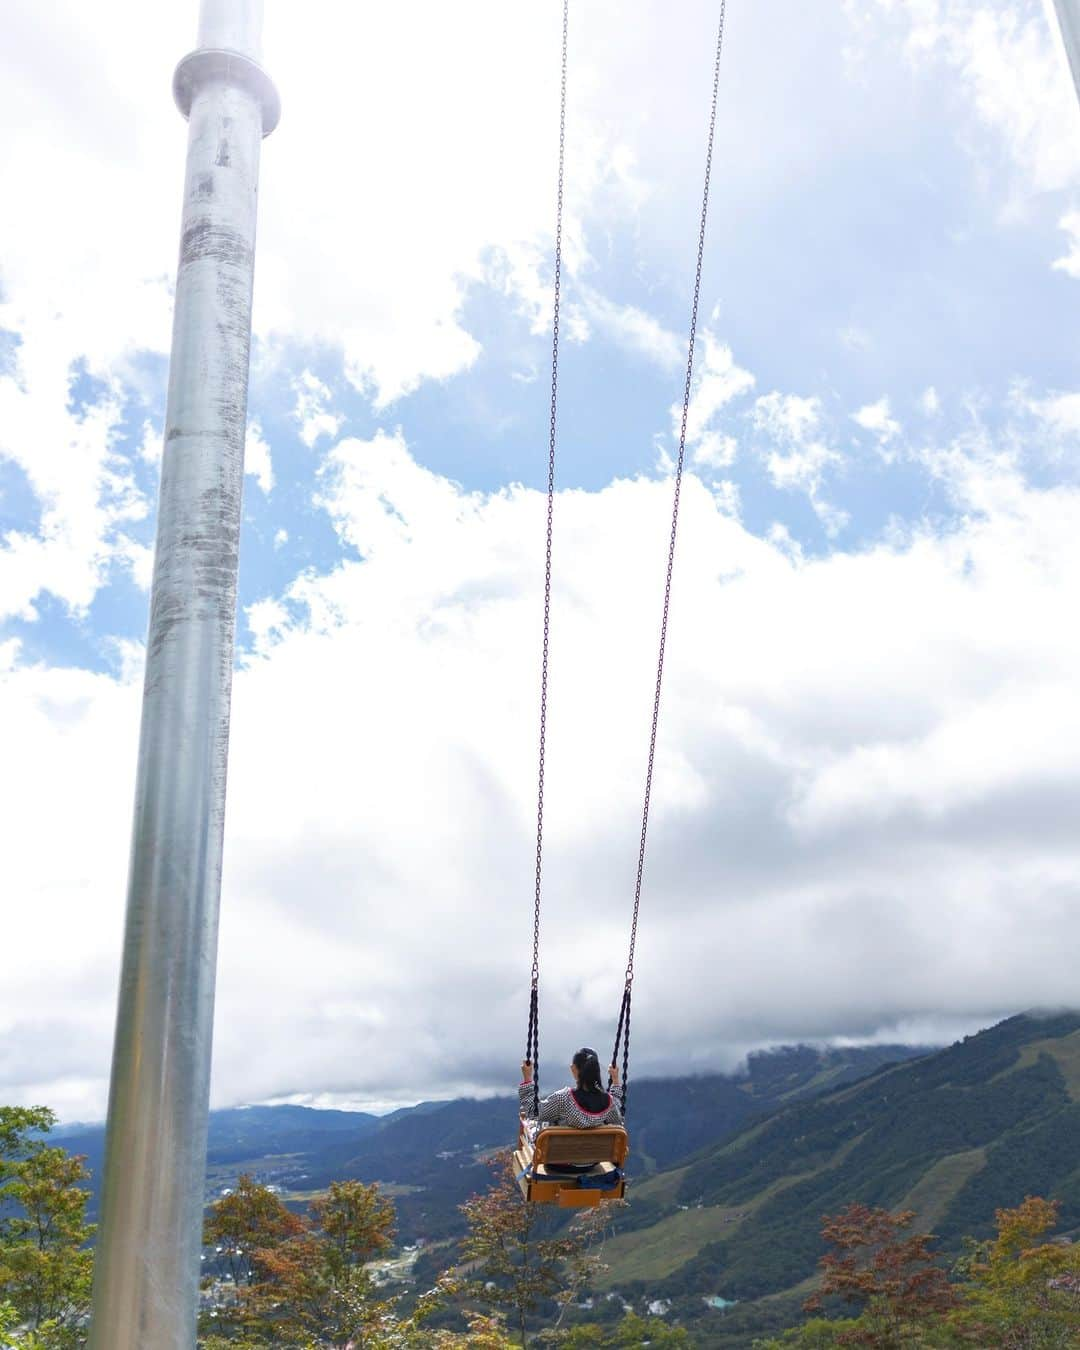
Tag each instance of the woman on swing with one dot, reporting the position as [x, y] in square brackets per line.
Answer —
[580, 1107]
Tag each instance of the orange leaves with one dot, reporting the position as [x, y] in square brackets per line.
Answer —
[1018, 1228]
[250, 1220]
[298, 1278]
[1026, 1292]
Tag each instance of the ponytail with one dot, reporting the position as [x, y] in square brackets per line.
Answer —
[587, 1063]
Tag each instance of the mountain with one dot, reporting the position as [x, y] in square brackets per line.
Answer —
[731, 1175]
[256, 1131]
[432, 1156]
[952, 1135]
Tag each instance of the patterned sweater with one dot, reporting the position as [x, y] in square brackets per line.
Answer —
[562, 1108]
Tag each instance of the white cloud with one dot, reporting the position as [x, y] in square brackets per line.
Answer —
[801, 468]
[795, 454]
[411, 221]
[930, 402]
[1061, 411]
[727, 496]
[150, 447]
[879, 420]
[635, 330]
[716, 451]
[311, 411]
[257, 460]
[140, 559]
[717, 382]
[353, 258]
[87, 493]
[866, 788]
[1010, 62]
[859, 751]
[267, 619]
[378, 496]
[787, 417]
[877, 417]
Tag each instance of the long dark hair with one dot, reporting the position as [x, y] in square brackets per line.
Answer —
[587, 1063]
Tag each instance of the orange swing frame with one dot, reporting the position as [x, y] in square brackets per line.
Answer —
[604, 1148]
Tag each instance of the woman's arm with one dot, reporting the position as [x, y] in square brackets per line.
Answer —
[551, 1108]
[615, 1113]
[525, 1090]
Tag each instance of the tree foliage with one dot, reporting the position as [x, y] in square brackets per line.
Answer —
[1023, 1292]
[298, 1280]
[631, 1331]
[518, 1263]
[1013, 1292]
[878, 1265]
[250, 1219]
[45, 1262]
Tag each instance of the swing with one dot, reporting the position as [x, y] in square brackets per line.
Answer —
[576, 1168]
[572, 1168]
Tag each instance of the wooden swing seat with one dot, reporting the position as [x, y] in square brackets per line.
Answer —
[601, 1150]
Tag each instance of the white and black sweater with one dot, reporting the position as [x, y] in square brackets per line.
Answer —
[564, 1108]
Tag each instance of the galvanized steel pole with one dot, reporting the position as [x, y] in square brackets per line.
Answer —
[1068, 12]
[146, 1283]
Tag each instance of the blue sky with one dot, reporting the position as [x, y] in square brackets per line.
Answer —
[869, 646]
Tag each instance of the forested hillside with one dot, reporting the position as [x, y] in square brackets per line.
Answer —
[952, 1135]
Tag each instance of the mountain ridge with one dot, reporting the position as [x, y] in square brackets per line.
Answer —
[433, 1153]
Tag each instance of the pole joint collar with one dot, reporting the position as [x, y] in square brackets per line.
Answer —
[203, 67]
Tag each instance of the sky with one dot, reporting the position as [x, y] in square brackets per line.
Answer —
[868, 774]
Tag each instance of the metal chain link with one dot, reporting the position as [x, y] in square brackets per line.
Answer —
[674, 516]
[533, 1047]
[622, 1037]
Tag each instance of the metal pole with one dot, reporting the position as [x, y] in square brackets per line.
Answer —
[1068, 12]
[146, 1282]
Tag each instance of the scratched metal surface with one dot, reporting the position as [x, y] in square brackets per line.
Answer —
[146, 1284]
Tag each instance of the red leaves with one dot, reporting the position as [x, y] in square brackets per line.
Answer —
[877, 1265]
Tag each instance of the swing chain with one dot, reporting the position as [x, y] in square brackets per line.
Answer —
[622, 1034]
[532, 1049]
[674, 526]
[532, 1046]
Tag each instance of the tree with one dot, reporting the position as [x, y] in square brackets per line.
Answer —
[19, 1128]
[11, 1335]
[249, 1219]
[295, 1280]
[356, 1221]
[892, 1275]
[244, 1227]
[817, 1334]
[517, 1261]
[326, 1290]
[1021, 1292]
[632, 1331]
[45, 1262]
[318, 1300]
